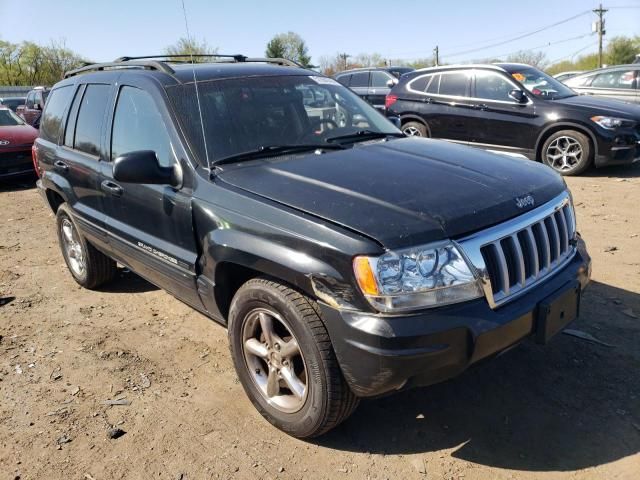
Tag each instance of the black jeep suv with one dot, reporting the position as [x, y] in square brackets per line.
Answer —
[345, 260]
[520, 111]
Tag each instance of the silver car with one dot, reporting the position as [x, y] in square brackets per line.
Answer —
[619, 82]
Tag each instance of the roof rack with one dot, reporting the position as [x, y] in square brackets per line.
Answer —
[146, 62]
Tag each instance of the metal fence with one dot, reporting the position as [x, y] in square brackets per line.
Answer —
[11, 91]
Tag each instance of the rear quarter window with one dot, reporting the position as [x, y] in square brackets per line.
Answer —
[53, 115]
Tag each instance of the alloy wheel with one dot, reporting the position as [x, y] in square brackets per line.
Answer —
[274, 360]
[412, 132]
[564, 153]
[73, 248]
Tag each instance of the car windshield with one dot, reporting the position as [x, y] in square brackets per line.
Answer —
[261, 113]
[9, 119]
[540, 84]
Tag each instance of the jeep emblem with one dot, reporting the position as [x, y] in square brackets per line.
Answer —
[526, 201]
[4, 142]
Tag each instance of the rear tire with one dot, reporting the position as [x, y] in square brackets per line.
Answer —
[89, 267]
[415, 129]
[568, 152]
[275, 330]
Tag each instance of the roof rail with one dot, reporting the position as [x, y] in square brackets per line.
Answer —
[236, 58]
[151, 65]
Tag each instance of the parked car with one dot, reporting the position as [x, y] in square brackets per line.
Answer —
[517, 110]
[12, 102]
[346, 260]
[34, 103]
[562, 76]
[619, 82]
[16, 140]
[372, 84]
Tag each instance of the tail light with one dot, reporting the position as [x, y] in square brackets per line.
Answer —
[34, 158]
[390, 100]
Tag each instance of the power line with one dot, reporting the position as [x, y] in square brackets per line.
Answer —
[574, 53]
[519, 37]
[545, 45]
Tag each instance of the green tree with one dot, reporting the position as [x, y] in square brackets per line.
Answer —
[291, 46]
[621, 50]
[190, 46]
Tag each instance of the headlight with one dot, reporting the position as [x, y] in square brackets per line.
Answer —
[611, 123]
[427, 276]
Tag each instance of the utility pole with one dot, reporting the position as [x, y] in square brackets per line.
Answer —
[436, 56]
[600, 29]
[344, 57]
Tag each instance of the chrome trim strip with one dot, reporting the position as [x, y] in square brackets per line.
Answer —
[472, 245]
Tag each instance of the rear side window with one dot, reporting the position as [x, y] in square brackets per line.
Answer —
[379, 79]
[138, 125]
[454, 84]
[359, 79]
[344, 79]
[90, 117]
[53, 114]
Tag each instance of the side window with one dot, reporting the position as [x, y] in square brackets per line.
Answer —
[53, 113]
[434, 85]
[618, 79]
[454, 84]
[359, 79]
[90, 118]
[420, 84]
[492, 86]
[379, 79]
[580, 81]
[30, 97]
[138, 125]
[344, 79]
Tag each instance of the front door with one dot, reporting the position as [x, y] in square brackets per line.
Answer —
[619, 84]
[499, 122]
[150, 226]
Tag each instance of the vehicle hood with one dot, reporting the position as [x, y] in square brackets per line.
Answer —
[401, 192]
[17, 136]
[605, 106]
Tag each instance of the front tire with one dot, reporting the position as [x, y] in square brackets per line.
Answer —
[568, 152]
[89, 267]
[285, 361]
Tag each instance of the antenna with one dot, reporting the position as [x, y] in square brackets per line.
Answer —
[195, 83]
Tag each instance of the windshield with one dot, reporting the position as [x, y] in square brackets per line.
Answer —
[540, 84]
[9, 119]
[245, 114]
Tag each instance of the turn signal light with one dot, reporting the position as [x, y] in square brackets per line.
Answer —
[364, 275]
[34, 159]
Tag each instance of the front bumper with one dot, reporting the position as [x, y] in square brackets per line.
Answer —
[380, 353]
[618, 147]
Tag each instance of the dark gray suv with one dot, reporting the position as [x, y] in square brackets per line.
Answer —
[372, 84]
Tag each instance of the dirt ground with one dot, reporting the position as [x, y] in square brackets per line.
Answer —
[570, 409]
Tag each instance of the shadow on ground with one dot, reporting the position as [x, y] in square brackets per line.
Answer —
[128, 282]
[568, 405]
[618, 171]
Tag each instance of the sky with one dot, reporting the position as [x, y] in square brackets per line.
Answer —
[102, 30]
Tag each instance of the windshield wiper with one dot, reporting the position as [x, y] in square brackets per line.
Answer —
[269, 150]
[364, 135]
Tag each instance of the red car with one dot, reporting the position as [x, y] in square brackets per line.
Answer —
[16, 140]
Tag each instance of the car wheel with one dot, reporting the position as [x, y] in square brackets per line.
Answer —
[414, 129]
[285, 361]
[568, 152]
[89, 267]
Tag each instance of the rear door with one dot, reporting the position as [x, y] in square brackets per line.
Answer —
[150, 226]
[448, 95]
[499, 122]
[359, 83]
[79, 158]
[378, 88]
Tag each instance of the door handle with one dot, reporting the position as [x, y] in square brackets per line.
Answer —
[428, 100]
[481, 106]
[112, 188]
[60, 165]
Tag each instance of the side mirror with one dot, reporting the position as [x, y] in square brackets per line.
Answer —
[518, 96]
[392, 82]
[143, 167]
[396, 121]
